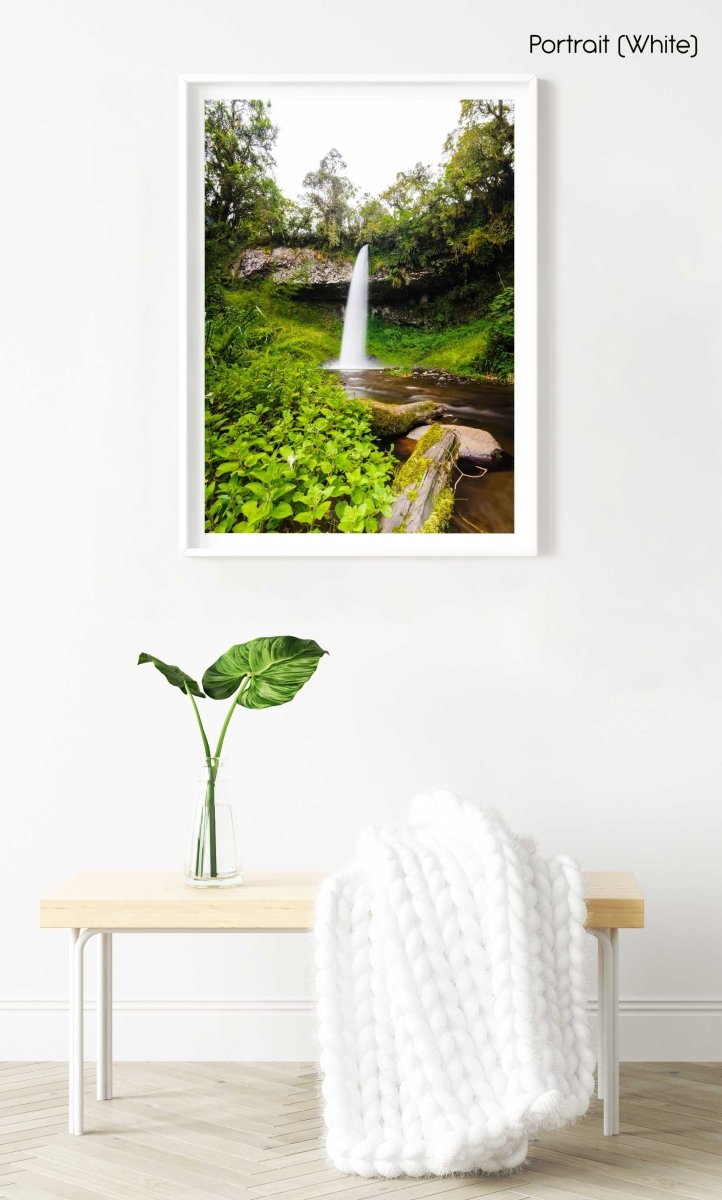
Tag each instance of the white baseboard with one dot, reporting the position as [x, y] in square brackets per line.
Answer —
[280, 1029]
[669, 1030]
[283, 1029]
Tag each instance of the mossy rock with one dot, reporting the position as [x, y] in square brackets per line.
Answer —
[393, 420]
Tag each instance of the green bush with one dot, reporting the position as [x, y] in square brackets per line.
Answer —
[498, 355]
[286, 449]
[473, 349]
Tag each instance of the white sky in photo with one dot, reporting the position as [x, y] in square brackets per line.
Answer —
[377, 138]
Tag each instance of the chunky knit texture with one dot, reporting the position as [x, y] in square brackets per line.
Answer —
[452, 997]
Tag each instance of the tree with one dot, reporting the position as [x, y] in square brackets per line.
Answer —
[243, 202]
[372, 218]
[330, 194]
[479, 171]
[409, 189]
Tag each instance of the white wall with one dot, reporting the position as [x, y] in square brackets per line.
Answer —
[579, 691]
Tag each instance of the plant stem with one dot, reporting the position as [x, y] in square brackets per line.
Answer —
[199, 843]
[211, 806]
[244, 687]
[206, 744]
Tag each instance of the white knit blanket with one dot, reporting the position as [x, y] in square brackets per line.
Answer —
[451, 992]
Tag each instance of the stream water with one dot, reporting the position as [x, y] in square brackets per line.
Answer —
[484, 501]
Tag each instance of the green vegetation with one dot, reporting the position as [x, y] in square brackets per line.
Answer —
[311, 332]
[243, 204]
[286, 449]
[477, 349]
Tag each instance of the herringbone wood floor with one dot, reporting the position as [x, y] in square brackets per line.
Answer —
[236, 1131]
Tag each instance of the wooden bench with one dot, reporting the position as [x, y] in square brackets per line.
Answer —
[108, 902]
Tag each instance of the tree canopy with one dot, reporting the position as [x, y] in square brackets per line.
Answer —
[242, 200]
[453, 221]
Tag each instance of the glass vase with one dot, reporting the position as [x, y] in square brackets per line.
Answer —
[213, 859]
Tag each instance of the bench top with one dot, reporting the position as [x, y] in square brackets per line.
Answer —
[267, 900]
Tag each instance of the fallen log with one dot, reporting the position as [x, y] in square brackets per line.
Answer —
[393, 420]
[475, 445]
[425, 500]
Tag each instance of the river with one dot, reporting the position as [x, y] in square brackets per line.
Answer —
[484, 500]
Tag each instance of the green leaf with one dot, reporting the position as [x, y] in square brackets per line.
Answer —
[276, 668]
[281, 510]
[174, 675]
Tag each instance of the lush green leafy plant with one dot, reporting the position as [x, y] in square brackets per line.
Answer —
[286, 449]
[262, 673]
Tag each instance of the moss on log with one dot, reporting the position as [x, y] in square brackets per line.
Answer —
[393, 420]
[441, 513]
[425, 500]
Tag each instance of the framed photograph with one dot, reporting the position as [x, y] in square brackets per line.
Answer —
[358, 315]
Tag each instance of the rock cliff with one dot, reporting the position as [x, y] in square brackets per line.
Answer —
[321, 277]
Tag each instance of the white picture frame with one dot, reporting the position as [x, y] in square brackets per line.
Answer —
[194, 91]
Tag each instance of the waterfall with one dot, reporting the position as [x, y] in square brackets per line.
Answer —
[353, 341]
[353, 355]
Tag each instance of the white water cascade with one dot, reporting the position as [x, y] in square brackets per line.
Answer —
[353, 355]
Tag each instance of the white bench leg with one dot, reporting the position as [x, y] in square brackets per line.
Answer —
[71, 1031]
[614, 939]
[104, 1073]
[608, 1068]
[600, 1020]
[78, 938]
